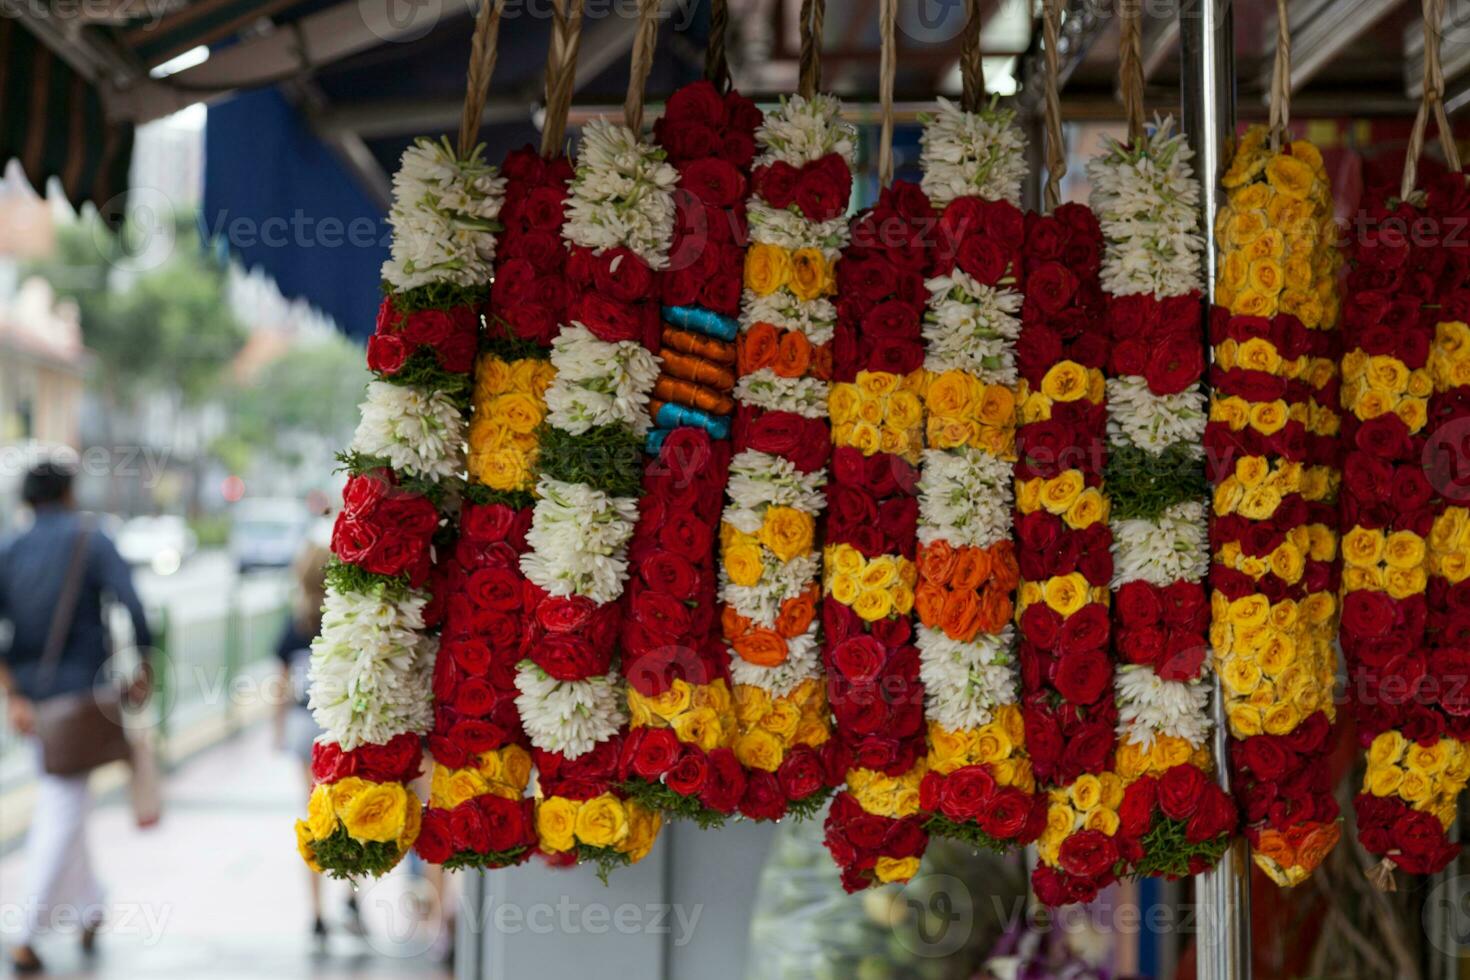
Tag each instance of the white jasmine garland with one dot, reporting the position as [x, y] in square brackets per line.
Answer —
[578, 541]
[965, 682]
[371, 668]
[1173, 548]
[802, 130]
[759, 480]
[1149, 706]
[1155, 422]
[599, 383]
[1146, 201]
[972, 154]
[788, 228]
[803, 661]
[569, 717]
[814, 319]
[444, 218]
[973, 328]
[622, 194]
[965, 498]
[806, 396]
[419, 432]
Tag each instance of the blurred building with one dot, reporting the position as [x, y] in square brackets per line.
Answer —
[43, 367]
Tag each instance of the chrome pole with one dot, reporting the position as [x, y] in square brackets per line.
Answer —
[1207, 92]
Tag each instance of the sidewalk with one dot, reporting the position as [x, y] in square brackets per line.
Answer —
[217, 891]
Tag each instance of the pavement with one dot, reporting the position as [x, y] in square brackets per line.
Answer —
[216, 889]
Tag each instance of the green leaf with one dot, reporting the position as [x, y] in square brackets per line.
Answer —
[657, 796]
[607, 458]
[1142, 485]
[487, 861]
[343, 856]
[966, 833]
[436, 296]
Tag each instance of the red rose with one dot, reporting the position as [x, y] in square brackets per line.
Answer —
[1136, 812]
[1051, 287]
[670, 573]
[776, 184]
[698, 102]
[1081, 678]
[1005, 815]
[714, 181]
[725, 783]
[965, 792]
[982, 259]
[859, 658]
[687, 777]
[1175, 365]
[1215, 816]
[1180, 790]
[568, 614]
[386, 354]
[800, 773]
[396, 761]
[610, 319]
[1366, 613]
[1087, 853]
[823, 189]
[433, 843]
[330, 764]
[570, 657]
[657, 749]
[467, 828]
[763, 799]
[505, 822]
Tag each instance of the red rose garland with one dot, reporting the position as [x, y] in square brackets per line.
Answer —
[1064, 549]
[477, 816]
[1404, 626]
[874, 828]
[680, 754]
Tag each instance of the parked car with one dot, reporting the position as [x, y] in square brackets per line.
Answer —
[162, 543]
[267, 532]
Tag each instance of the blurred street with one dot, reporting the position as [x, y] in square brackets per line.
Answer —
[216, 889]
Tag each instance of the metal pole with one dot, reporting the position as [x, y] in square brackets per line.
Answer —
[1207, 91]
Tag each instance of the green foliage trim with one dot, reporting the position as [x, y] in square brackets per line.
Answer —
[504, 345]
[357, 464]
[607, 458]
[342, 856]
[344, 577]
[607, 859]
[422, 370]
[436, 296]
[1167, 850]
[657, 796]
[489, 860]
[808, 806]
[967, 833]
[481, 496]
[1143, 485]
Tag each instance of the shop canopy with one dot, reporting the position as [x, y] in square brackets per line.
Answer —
[311, 102]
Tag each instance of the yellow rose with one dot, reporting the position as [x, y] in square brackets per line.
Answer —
[787, 532]
[767, 268]
[1265, 276]
[759, 749]
[951, 393]
[896, 869]
[873, 604]
[992, 743]
[518, 412]
[556, 822]
[1028, 495]
[1066, 381]
[344, 790]
[304, 846]
[1066, 594]
[1089, 508]
[743, 564]
[643, 828]
[515, 766]
[843, 402]
[905, 411]
[845, 588]
[1428, 759]
[1289, 176]
[602, 821]
[1104, 820]
[1387, 749]
[1404, 549]
[378, 812]
[751, 703]
[1086, 792]
[1061, 491]
[1269, 418]
[811, 276]
[321, 820]
[782, 720]
[698, 726]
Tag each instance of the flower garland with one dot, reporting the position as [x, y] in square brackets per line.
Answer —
[875, 830]
[769, 576]
[682, 755]
[979, 787]
[372, 663]
[1174, 819]
[477, 814]
[619, 225]
[1271, 442]
[1064, 549]
[1404, 551]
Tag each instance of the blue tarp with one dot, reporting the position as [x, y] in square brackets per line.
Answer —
[280, 200]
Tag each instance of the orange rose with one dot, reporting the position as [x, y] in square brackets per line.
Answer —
[762, 647]
[796, 614]
[1272, 844]
[971, 569]
[1005, 571]
[995, 609]
[936, 562]
[822, 361]
[1314, 843]
[961, 617]
[757, 347]
[792, 355]
[732, 624]
[929, 603]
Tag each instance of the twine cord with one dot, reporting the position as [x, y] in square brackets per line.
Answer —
[716, 64]
[1432, 99]
[813, 14]
[1130, 67]
[1281, 78]
[483, 46]
[1056, 154]
[561, 73]
[643, 44]
[887, 20]
[972, 71]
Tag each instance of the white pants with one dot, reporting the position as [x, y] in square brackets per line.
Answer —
[61, 888]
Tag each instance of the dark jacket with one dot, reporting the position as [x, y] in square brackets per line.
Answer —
[33, 566]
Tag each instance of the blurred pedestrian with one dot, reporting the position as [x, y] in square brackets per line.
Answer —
[296, 728]
[53, 578]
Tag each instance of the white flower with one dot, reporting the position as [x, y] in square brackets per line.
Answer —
[802, 130]
[371, 668]
[1173, 548]
[418, 432]
[444, 218]
[972, 154]
[788, 228]
[803, 661]
[598, 383]
[569, 717]
[965, 682]
[578, 540]
[972, 328]
[759, 480]
[765, 389]
[814, 319]
[1149, 706]
[965, 498]
[1146, 200]
[1155, 422]
[761, 603]
[622, 194]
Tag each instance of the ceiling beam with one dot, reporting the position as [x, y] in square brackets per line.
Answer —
[1320, 31]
